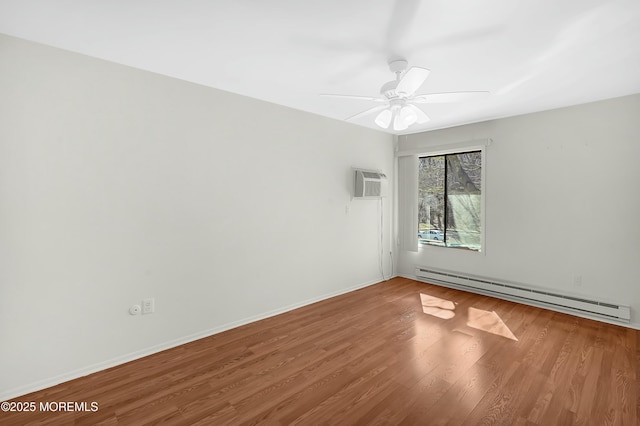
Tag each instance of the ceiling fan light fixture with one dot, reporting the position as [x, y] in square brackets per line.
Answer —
[408, 115]
[399, 123]
[384, 119]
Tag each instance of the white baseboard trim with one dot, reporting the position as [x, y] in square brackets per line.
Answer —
[94, 368]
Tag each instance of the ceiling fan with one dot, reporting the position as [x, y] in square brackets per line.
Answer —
[399, 98]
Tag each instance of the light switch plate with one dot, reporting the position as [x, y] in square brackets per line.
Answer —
[148, 306]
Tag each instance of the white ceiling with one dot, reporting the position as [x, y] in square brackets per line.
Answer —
[531, 55]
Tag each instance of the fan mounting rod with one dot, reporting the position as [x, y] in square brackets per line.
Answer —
[397, 66]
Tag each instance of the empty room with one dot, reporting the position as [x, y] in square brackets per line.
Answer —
[414, 212]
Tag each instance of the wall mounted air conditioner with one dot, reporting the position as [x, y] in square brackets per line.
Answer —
[368, 184]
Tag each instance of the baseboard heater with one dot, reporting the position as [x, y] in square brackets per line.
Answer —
[521, 293]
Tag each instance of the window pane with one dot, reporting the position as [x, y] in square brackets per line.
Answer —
[449, 200]
[431, 209]
[463, 189]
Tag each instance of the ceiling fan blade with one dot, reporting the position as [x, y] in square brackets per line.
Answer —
[367, 112]
[421, 117]
[362, 98]
[411, 81]
[437, 98]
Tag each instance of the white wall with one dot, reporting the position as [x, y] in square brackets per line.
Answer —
[562, 199]
[118, 184]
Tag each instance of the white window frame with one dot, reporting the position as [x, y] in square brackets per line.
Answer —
[454, 148]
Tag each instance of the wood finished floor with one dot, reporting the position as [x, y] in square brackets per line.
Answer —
[374, 356]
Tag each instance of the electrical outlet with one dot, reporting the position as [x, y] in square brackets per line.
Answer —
[148, 306]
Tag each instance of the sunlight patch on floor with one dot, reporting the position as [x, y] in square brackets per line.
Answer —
[489, 322]
[437, 307]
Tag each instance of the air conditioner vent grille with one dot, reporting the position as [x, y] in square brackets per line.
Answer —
[372, 189]
[371, 175]
[368, 184]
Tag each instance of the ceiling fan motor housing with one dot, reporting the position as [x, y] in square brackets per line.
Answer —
[388, 89]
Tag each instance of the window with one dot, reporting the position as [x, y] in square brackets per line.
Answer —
[450, 200]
